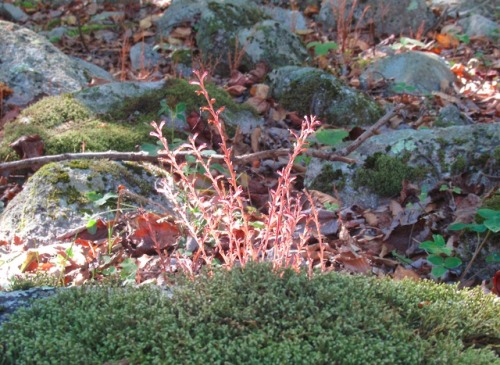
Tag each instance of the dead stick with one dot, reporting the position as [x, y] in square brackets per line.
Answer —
[242, 159]
[42, 160]
[368, 133]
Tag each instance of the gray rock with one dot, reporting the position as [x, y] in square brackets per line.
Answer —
[465, 8]
[388, 16]
[478, 26]
[217, 30]
[227, 27]
[413, 73]
[54, 200]
[300, 4]
[33, 67]
[292, 20]
[103, 99]
[106, 17]
[271, 43]
[450, 115]
[93, 70]
[57, 32]
[436, 154]
[12, 13]
[181, 12]
[13, 300]
[143, 56]
[308, 90]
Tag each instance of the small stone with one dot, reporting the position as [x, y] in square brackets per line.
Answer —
[260, 91]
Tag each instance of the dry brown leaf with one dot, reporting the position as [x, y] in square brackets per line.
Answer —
[354, 264]
[260, 105]
[401, 273]
[447, 41]
[236, 90]
[260, 91]
[255, 139]
[181, 32]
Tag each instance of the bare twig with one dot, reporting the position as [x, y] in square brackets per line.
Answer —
[240, 160]
[121, 156]
[368, 133]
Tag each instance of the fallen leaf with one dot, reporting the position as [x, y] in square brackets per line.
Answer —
[401, 273]
[260, 91]
[236, 90]
[260, 105]
[447, 40]
[255, 139]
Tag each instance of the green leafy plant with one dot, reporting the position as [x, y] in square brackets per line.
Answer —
[322, 49]
[490, 225]
[403, 88]
[330, 137]
[405, 42]
[451, 189]
[62, 260]
[440, 256]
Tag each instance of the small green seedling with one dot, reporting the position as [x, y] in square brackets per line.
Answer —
[452, 189]
[330, 137]
[440, 256]
[401, 258]
[403, 88]
[322, 49]
[332, 207]
[491, 224]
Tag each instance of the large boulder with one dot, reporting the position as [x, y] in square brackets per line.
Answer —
[33, 67]
[424, 157]
[116, 116]
[227, 28]
[388, 16]
[56, 198]
[411, 73]
[308, 90]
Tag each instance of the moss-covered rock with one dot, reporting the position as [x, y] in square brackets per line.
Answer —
[270, 42]
[310, 91]
[56, 198]
[424, 157]
[384, 174]
[254, 316]
[113, 116]
[67, 125]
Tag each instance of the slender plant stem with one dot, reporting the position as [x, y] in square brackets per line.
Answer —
[478, 249]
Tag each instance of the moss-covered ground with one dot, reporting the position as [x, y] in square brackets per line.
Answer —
[254, 316]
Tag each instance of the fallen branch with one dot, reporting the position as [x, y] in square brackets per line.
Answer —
[42, 160]
[368, 133]
[242, 159]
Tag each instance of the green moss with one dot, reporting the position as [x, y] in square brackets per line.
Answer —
[254, 316]
[302, 93]
[459, 165]
[384, 174]
[492, 202]
[320, 94]
[53, 174]
[53, 23]
[79, 164]
[174, 92]
[53, 111]
[328, 178]
[88, 28]
[28, 281]
[461, 141]
[182, 56]
[99, 136]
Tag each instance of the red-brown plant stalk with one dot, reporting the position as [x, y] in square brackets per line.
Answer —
[219, 221]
